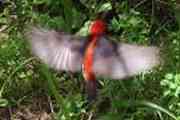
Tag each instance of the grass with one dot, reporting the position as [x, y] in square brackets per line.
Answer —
[23, 78]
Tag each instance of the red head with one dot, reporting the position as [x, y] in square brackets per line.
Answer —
[98, 27]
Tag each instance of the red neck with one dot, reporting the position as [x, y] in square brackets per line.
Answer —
[98, 27]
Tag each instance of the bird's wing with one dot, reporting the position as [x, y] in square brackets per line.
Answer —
[121, 60]
[57, 49]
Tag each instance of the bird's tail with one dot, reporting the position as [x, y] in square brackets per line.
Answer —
[91, 89]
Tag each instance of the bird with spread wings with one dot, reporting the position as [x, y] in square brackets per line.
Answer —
[94, 55]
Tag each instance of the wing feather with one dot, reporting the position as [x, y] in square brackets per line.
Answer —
[65, 52]
[57, 49]
[122, 60]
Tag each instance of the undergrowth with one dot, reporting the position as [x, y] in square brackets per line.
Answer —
[152, 96]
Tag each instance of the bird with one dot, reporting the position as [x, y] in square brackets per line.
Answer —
[95, 55]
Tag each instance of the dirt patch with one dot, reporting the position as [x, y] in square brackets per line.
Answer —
[38, 108]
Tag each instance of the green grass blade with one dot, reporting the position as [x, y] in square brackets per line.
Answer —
[157, 107]
[13, 73]
[50, 79]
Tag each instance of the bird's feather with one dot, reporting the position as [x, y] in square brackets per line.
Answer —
[59, 50]
[64, 52]
[120, 60]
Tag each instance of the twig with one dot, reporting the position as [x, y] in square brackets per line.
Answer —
[90, 116]
[3, 28]
[9, 113]
[140, 3]
[50, 104]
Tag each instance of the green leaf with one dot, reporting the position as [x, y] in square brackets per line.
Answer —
[50, 79]
[105, 7]
[84, 30]
[3, 102]
[134, 21]
[157, 107]
[38, 2]
[12, 74]
[169, 76]
[3, 20]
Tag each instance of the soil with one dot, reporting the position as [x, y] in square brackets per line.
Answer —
[36, 109]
